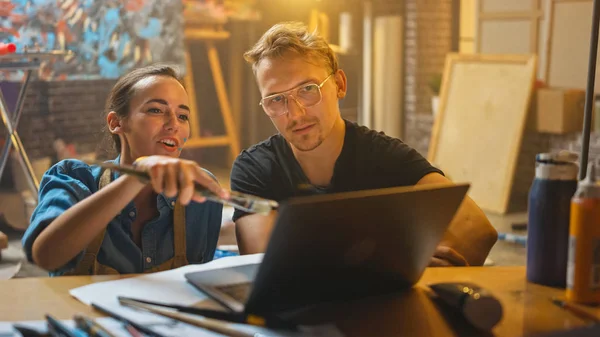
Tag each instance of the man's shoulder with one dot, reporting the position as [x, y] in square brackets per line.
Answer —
[389, 160]
[258, 170]
[371, 141]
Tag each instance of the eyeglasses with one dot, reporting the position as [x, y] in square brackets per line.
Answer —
[306, 95]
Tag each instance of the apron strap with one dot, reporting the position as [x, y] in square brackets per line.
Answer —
[85, 266]
[179, 237]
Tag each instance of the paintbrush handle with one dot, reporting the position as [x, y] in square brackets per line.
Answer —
[205, 323]
[578, 310]
[270, 321]
[91, 327]
[244, 202]
[208, 313]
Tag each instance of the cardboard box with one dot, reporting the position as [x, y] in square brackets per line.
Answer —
[559, 110]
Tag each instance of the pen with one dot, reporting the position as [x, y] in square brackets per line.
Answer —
[514, 238]
[266, 321]
[90, 327]
[118, 317]
[577, 310]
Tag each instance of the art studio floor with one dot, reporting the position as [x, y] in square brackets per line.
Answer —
[13, 258]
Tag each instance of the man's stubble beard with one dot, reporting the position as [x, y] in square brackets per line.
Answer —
[305, 148]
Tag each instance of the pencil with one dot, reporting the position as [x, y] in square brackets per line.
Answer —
[577, 310]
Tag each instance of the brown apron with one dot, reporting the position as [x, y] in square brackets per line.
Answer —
[89, 264]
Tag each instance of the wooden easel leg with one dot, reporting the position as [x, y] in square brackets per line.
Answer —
[230, 129]
[191, 91]
[3, 243]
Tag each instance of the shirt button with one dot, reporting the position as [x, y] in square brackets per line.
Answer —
[132, 214]
[148, 259]
[172, 203]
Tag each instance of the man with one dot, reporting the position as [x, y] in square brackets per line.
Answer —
[316, 151]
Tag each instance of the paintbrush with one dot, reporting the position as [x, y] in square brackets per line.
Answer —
[214, 325]
[91, 327]
[577, 309]
[244, 202]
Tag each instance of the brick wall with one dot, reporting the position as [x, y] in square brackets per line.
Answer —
[428, 27]
[71, 110]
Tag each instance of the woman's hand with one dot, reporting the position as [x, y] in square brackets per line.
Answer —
[174, 176]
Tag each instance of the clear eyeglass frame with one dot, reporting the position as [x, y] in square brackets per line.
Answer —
[294, 93]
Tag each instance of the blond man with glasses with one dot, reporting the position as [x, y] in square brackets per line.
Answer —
[317, 151]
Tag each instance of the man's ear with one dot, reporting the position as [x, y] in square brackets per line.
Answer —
[340, 81]
[115, 124]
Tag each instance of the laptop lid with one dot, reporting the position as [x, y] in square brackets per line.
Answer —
[354, 244]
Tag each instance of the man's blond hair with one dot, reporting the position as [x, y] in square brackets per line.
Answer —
[292, 37]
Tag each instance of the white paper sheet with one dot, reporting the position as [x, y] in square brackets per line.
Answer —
[171, 286]
[166, 286]
[10, 264]
[8, 270]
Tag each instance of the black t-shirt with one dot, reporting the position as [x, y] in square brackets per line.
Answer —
[368, 160]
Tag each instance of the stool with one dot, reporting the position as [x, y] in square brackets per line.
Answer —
[209, 33]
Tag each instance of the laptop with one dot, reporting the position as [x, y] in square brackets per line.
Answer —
[337, 247]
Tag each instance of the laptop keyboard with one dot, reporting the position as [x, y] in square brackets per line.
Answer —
[239, 291]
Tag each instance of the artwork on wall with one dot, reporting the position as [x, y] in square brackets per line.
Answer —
[108, 37]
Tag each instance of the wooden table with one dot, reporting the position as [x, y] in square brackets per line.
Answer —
[527, 307]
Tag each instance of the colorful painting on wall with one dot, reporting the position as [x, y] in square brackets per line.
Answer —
[107, 37]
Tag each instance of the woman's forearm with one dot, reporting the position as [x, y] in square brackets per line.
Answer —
[74, 230]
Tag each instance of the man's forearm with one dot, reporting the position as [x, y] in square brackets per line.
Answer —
[253, 232]
[470, 233]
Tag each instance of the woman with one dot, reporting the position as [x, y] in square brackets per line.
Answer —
[92, 221]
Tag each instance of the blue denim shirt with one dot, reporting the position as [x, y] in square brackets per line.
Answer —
[70, 181]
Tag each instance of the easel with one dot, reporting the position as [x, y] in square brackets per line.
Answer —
[27, 62]
[209, 33]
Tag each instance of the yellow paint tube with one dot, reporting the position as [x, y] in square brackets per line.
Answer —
[583, 270]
